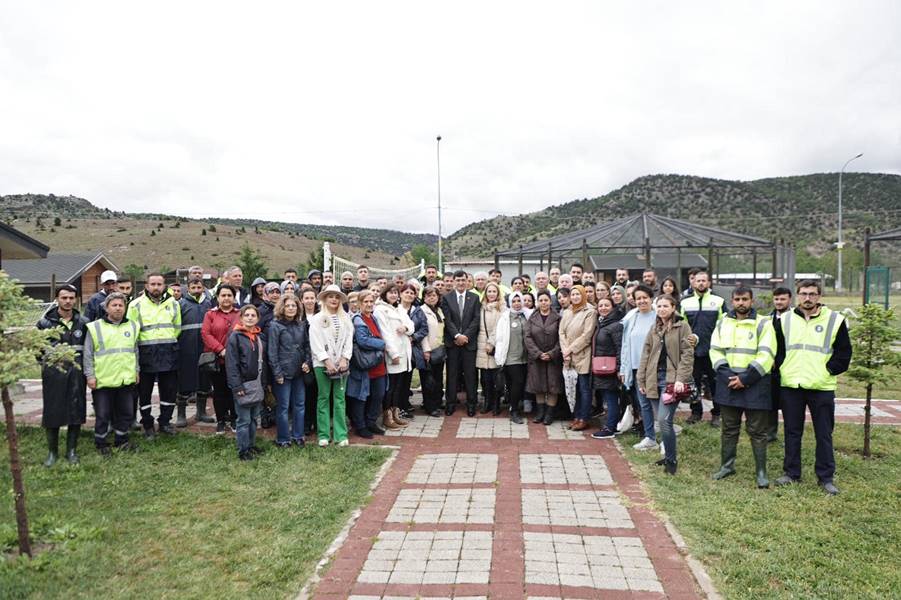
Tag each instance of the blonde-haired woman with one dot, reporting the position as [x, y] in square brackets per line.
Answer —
[492, 308]
[288, 351]
[577, 326]
[331, 342]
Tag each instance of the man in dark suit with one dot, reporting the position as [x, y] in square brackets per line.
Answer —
[461, 333]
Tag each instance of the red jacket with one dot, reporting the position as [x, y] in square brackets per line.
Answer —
[216, 328]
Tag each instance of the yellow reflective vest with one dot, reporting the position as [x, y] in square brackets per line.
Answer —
[115, 360]
[157, 323]
[808, 347]
[743, 344]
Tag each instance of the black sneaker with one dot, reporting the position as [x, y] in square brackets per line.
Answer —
[149, 434]
[603, 434]
[232, 425]
[282, 444]
[220, 428]
[300, 443]
[693, 419]
[365, 434]
[256, 450]
[248, 455]
[167, 429]
[376, 429]
[105, 451]
[127, 447]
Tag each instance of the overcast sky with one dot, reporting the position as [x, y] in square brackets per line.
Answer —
[327, 112]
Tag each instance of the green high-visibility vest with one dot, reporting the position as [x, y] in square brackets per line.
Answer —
[808, 347]
[115, 362]
[744, 344]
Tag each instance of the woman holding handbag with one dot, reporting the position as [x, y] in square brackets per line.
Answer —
[245, 374]
[577, 325]
[368, 377]
[289, 358]
[665, 371]
[608, 342]
[492, 307]
[331, 344]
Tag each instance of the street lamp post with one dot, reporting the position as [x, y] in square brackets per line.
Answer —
[841, 243]
[440, 256]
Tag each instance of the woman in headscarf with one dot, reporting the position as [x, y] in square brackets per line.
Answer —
[511, 354]
[543, 346]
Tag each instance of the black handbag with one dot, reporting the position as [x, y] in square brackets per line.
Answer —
[364, 360]
[208, 362]
[438, 356]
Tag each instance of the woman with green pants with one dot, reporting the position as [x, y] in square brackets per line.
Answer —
[331, 342]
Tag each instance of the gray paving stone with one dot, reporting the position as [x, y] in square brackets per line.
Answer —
[564, 468]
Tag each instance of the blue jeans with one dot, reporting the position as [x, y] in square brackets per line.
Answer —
[667, 412]
[583, 397]
[648, 409]
[246, 434]
[611, 399]
[377, 389]
[290, 395]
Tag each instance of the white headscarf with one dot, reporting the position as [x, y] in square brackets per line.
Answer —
[526, 312]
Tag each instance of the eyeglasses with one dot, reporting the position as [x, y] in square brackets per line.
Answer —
[809, 294]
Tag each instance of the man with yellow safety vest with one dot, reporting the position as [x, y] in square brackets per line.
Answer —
[814, 347]
[703, 310]
[158, 317]
[110, 364]
[743, 350]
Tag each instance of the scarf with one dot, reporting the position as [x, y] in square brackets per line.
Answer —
[250, 333]
[526, 312]
[584, 294]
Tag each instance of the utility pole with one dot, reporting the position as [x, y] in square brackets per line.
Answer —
[440, 255]
[841, 243]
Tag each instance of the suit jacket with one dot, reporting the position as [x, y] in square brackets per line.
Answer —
[466, 324]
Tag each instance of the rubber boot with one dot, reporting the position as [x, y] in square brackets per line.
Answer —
[72, 443]
[181, 406]
[727, 450]
[549, 414]
[52, 446]
[488, 406]
[515, 416]
[539, 413]
[763, 481]
[202, 417]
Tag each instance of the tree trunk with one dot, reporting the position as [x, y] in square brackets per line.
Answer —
[15, 468]
[866, 421]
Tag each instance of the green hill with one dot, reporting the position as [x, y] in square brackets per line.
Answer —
[802, 209]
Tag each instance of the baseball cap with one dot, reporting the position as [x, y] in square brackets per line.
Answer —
[108, 276]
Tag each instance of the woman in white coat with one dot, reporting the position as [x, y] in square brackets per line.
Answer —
[396, 327]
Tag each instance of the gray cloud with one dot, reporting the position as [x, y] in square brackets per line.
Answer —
[328, 114]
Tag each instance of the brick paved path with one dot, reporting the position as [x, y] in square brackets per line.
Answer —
[482, 508]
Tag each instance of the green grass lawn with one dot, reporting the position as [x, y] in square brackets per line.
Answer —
[181, 519]
[787, 542]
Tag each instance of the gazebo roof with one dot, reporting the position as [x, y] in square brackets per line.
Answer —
[886, 236]
[631, 233]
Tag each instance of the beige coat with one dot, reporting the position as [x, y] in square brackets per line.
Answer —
[491, 313]
[576, 333]
[436, 329]
[677, 369]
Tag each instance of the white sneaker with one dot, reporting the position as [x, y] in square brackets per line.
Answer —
[646, 444]
[662, 450]
[323, 443]
[677, 429]
[343, 443]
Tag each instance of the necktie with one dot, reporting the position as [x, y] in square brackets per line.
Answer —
[460, 298]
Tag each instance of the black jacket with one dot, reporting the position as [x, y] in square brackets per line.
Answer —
[242, 360]
[608, 341]
[190, 346]
[64, 390]
[94, 310]
[288, 347]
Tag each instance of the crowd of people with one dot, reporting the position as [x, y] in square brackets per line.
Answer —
[310, 356]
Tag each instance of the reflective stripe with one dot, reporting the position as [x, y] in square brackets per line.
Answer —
[760, 326]
[810, 347]
[158, 326]
[719, 363]
[98, 335]
[115, 351]
[750, 351]
[717, 348]
[167, 403]
[758, 367]
[156, 342]
[766, 349]
[194, 326]
[120, 432]
[827, 342]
